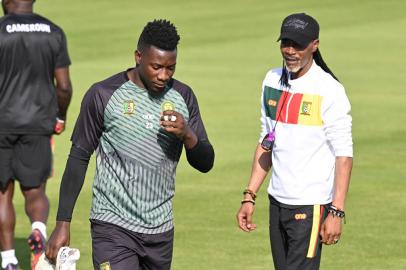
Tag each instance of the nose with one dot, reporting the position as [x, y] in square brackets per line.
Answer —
[163, 75]
[289, 50]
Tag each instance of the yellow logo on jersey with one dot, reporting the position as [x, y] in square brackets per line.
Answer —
[168, 106]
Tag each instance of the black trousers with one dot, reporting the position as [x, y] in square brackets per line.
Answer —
[119, 249]
[295, 235]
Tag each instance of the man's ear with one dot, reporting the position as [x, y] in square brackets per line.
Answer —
[137, 55]
[315, 45]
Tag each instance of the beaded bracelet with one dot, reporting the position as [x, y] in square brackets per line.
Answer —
[248, 201]
[336, 212]
[251, 193]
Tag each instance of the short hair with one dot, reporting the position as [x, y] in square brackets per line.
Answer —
[159, 33]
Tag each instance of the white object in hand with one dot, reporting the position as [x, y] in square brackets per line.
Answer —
[66, 260]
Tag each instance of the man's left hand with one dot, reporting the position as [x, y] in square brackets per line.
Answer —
[59, 126]
[330, 231]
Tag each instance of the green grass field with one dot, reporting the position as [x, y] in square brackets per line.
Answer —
[226, 48]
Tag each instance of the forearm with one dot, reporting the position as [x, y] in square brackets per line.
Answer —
[63, 91]
[201, 156]
[343, 167]
[64, 96]
[189, 139]
[261, 165]
[72, 182]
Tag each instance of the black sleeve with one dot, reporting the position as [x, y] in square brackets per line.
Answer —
[201, 156]
[90, 123]
[62, 57]
[85, 139]
[72, 182]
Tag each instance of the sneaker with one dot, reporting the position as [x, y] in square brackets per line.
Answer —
[36, 242]
[11, 266]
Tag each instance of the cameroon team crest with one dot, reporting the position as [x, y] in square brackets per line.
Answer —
[168, 106]
[105, 266]
[306, 108]
[128, 107]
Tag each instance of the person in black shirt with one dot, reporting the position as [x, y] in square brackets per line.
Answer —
[35, 92]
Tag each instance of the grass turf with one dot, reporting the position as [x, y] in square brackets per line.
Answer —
[226, 48]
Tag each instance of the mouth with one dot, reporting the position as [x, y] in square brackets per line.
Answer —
[291, 60]
[159, 86]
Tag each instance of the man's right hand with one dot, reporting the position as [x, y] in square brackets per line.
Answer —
[60, 237]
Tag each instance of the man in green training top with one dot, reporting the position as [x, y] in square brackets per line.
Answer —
[138, 121]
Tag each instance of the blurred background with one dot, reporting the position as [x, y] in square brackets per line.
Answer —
[226, 48]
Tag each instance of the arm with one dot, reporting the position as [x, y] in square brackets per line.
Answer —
[332, 227]
[71, 185]
[201, 156]
[72, 182]
[64, 94]
[63, 84]
[199, 152]
[261, 165]
[342, 181]
[85, 139]
[338, 123]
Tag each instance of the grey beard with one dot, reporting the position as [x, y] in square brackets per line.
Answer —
[292, 70]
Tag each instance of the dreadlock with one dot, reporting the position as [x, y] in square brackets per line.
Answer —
[319, 61]
[284, 79]
[159, 33]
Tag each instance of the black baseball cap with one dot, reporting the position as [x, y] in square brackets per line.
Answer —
[301, 28]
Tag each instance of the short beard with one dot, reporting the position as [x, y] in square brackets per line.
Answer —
[294, 69]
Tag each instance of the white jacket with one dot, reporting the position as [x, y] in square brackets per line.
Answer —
[314, 127]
